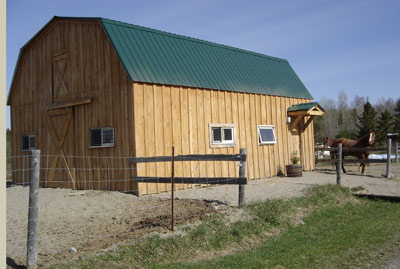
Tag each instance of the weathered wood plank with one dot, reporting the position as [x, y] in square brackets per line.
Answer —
[176, 128]
[222, 119]
[193, 132]
[185, 132]
[260, 149]
[201, 125]
[167, 119]
[253, 135]
[249, 147]
[159, 132]
[229, 120]
[206, 133]
[149, 132]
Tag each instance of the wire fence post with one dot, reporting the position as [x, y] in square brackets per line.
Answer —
[389, 159]
[242, 173]
[32, 253]
[339, 164]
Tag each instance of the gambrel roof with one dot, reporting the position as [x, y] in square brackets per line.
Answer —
[159, 57]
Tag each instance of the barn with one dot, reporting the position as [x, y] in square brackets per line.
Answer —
[90, 92]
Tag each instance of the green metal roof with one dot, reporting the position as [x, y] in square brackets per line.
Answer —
[304, 106]
[159, 57]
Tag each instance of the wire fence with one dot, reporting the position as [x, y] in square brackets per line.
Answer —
[77, 172]
[82, 175]
[113, 173]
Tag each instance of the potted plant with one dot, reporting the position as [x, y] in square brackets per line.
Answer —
[295, 169]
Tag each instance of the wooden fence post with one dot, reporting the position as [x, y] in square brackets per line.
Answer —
[389, 159]
[339, 164]
[32, 253]
[242, 173]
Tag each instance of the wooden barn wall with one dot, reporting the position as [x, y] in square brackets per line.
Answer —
[167, 116]
[93, 70]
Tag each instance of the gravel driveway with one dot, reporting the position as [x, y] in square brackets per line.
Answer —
[285, 187]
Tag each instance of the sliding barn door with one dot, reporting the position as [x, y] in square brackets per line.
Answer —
[60, 147]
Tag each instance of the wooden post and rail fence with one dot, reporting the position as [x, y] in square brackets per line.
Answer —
[339, 150]
[241, 180]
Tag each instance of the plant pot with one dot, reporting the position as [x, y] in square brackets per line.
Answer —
[294, 170]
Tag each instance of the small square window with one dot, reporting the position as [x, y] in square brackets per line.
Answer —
[266, 134]
[222, 135]
[101, 137]
[28, 142]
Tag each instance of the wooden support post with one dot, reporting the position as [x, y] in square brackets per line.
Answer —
[339, 164]
[32, 253]
[397, 152]
[172, 190]
[242, 173]
[389, 159]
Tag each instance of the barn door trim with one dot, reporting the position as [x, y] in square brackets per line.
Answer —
[59, 73]
[66, 104]
[59, 141]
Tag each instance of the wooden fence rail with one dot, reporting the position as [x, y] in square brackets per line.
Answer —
[192, 157]
[338, 154]
[347, 149]
[241, 180]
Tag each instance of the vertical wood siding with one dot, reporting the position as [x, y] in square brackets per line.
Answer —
[94, 70]
[180, 117]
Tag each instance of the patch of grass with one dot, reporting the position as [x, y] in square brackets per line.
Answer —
[352, 235]
[357, 188]
[335, 225]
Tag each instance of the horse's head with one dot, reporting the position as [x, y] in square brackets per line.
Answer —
[325, 140]
[371, 139]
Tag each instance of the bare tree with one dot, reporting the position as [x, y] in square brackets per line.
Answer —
[330, 121]
[385, 104]
[358, 104]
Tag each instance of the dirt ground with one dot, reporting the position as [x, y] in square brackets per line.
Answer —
[96, 221]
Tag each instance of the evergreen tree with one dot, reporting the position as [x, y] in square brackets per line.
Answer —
[397, 116]
[318, 138]
[340, 120]
[385, 125]
[367, 120]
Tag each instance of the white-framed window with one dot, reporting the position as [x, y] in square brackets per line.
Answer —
[28, 142]
[101, 137]
[222, 135]
[266, 134]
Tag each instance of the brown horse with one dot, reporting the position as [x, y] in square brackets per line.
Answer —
[366, 141]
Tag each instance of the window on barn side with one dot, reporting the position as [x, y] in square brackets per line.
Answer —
[266, 134]
[28, 142]
[222, 135]
[101, 137]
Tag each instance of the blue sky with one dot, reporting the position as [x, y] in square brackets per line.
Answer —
[353, 46]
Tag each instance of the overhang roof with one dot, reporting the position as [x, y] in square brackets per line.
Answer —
[307, 107]
[299, 111]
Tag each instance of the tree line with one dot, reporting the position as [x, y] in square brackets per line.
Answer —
[354, 120]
